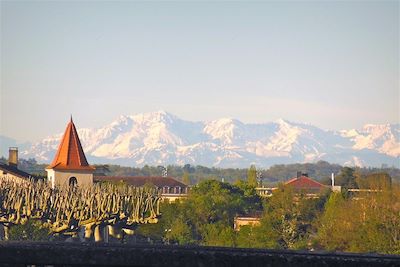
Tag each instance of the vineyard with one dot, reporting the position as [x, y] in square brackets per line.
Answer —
[115, 210]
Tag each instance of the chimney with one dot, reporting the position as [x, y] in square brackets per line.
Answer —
[298, 174]
[13, 157]
[333, 179]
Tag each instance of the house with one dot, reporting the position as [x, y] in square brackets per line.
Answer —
[300, 184]
[265, 191]
[169, 188]
[10, 171]
[303, 183]
[250, 220]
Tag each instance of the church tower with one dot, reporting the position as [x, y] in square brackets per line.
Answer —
[70, 166]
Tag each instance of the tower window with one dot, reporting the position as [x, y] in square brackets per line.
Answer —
[73, 181]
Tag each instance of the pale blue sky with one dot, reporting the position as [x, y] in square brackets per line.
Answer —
[331, 64]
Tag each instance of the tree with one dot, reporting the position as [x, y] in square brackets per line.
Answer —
[186, 178]
[371, 222]
[218, 234]
[288, 219]
[180, 232]
[188, 168]
[330, 235]
[252, 176]
[346, 178]
[379, 180]
[206, 216]
[158, 231]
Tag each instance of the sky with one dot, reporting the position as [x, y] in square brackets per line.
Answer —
[332, 64]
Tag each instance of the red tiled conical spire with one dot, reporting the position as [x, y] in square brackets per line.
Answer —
[70, 155]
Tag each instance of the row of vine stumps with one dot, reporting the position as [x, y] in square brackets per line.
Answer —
[89, 212]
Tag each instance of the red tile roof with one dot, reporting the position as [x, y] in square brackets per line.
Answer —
[304, 182]
[139, 181]
[70, 155]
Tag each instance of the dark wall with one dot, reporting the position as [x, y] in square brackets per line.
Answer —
[71, 254]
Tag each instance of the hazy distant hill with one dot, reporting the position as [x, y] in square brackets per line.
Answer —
[160, 138]
[6, 142]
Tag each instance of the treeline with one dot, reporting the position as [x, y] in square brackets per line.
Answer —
[320, 171]
[367, 222]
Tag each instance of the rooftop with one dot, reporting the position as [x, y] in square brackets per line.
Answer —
[14, 171]
[304, 182]
[70, 155]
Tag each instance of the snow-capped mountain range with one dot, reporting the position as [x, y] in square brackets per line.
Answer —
[160, 138]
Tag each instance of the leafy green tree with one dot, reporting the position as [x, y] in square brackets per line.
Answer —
[180, 232]
[188, 168]
[281, 216]
[379, 180]
[214, 201]
[288, 220]
[252, 176]
[346, 178]
[218, 234]
[250, 196]
[330, 235]
[157, 232]
[251, 237]
[186, 178]
[371, 222]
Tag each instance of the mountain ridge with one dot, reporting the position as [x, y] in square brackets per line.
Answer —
[161, 138]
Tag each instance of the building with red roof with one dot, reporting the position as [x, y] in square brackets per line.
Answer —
[300, 184]
[304, 183]
[70, 165]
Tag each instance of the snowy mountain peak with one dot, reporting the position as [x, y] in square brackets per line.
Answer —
[282, 121]
[154, 117]
[162, 138]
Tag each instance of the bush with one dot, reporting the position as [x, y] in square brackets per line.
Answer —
[32, 230]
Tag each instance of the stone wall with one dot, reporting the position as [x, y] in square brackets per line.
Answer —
[89, 254]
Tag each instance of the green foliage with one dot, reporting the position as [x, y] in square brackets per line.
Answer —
[32, 230]
[214, 201]
[252, 237]
[206, 217]
[218, 234]
[380, 180]
[186, 178]
[288, 219]
[252, 176]
[180, 232]
[346, 178]
[369, 223]
[329, 235]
